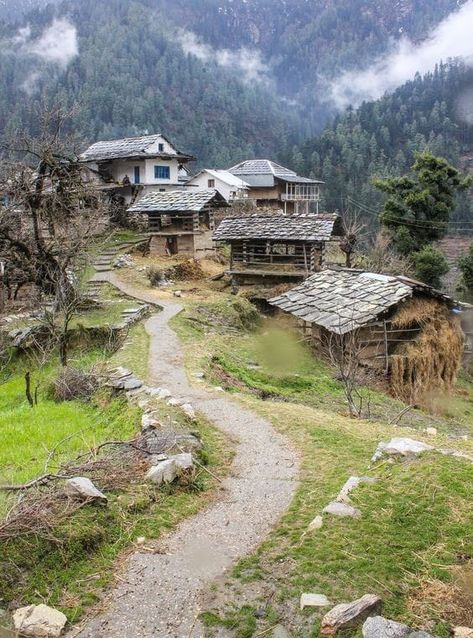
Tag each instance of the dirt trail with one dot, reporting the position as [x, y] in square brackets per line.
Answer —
[161, 592]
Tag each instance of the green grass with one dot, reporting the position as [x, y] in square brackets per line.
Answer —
[134, 353]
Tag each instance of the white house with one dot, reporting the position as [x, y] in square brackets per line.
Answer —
[228, 185]
[133, 166]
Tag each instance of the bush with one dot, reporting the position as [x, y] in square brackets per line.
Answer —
[72, 384]
[430, 266]
[466, 266]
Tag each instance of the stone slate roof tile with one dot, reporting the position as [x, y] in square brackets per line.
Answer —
[355, 298]
[263, 168]
[178, 201]
[278, 227]
[128, 147]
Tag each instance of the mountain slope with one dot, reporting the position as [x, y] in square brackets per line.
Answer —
[381, 137]
[132, 76]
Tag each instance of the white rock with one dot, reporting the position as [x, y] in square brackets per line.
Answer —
[188, 410]
[39, 621]
[379, 627]
[341, 509]
[141, 540]
[431, 431]
[463, 632]
[314, 600]
[184, 461]
[352, 483]
[83, 488]
[159, 393]
[401, 447]
[199, 375]
[147, 422]
[165, 472]
[317, 523]
[178, 293]
[174, 403]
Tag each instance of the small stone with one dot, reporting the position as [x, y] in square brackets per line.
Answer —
[174, 403]
[39, 621]
[141, 540]
[463, 632]
[184, 461]
[379, 627]
[341, 509]
[199, 375]
[132, 384]
[352, 483]
[314, 600]
[420, 634]
[349, 615]
[317, 523]
[165, 472]
[83, 488]
[280, 632]
[178, 293]
[401, 447]
[148, 422]
[431, 431]
[188, 410]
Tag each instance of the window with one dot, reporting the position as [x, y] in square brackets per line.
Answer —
[162, 172]
[211, 183]
[160, 148]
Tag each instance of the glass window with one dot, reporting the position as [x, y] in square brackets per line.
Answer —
[160, 148]
[211, 183]
[162, 172]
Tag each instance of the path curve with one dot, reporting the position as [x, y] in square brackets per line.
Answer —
[161, 592]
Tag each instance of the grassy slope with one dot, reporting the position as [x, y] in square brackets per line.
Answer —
[417, 519]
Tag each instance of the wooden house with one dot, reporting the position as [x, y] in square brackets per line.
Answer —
[274, 186]
[179, 222]
[395, 326]
[274, 248]
[231, 187]
[131, 167]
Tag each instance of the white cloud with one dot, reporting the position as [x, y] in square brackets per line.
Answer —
[452, 38]
[247, 62]
[57, 44]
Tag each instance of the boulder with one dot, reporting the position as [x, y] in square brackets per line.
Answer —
[352, 483]
[463, 632]
[400, 447]
[317, 523]
[341, 509]
[379, 627]
[132, 383]
[314, 600]
[39, 621]
[164, 472]
[82, 488]
[184, 461]
[349, 615]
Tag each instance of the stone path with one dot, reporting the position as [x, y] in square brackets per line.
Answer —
[160, 594]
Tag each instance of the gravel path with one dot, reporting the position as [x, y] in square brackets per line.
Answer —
[160, 595]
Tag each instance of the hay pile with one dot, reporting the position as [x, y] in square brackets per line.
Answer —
[431, 362]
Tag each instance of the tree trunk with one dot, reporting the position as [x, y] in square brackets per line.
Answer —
[28, 389]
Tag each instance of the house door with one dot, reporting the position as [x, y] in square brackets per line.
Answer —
[171, 246]
[136, 175]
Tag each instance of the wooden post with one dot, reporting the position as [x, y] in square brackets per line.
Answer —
[305, 257]
[386, 354]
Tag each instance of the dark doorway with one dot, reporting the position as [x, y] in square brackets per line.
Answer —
[171, 246]
[137, 175]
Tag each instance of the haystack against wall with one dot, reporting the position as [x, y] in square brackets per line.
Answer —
[404, 329]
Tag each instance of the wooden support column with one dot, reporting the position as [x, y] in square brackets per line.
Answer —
[386, 353]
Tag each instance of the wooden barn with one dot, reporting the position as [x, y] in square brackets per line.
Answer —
[180, 222]
[275, 248]
[399, 327]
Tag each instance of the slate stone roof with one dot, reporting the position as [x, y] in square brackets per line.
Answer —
[262, 172]
[278, 227]
[343, 300]
[178, 201]
[129, 147]
[226, 177]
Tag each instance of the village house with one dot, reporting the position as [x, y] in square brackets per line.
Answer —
[129, 168]
[180, 222]
[231, 187]
[271, 248]
[395, 326]
[274, 186]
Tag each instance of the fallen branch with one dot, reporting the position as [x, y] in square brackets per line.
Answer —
[400, 415]
[41, 480]
[206, 469]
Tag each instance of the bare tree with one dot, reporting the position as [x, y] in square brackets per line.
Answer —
[381, 257]
[353, 232]
[51, 210]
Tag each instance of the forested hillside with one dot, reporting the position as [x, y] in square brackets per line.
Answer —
[130, 75]
[380, 139]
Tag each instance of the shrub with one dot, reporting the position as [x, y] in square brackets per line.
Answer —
[72, 384]
[466, 266]
[430, 266]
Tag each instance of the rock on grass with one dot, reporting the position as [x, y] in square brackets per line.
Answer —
[349, 615]
[39, 621]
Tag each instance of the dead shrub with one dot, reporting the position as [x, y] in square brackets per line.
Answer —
[72, 384]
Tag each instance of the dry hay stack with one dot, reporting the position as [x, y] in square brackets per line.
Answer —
[431, 362]
[187, 270]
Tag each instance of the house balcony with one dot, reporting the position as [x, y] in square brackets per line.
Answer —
[301, 193]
